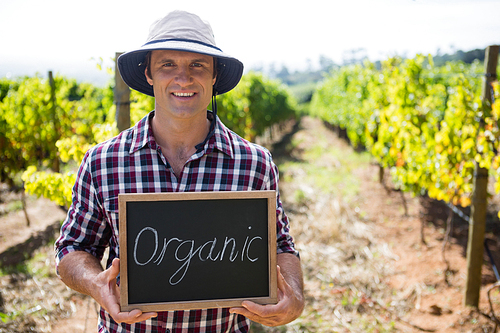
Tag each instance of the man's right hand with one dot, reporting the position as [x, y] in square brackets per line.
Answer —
[107, 294]
[82, 272]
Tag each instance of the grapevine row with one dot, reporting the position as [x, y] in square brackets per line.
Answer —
[426, 123]
[43, 124]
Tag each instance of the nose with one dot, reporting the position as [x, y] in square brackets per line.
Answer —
[183, 75]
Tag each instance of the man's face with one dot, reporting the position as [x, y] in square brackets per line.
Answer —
[182, 82]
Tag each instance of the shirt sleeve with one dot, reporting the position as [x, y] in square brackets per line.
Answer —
[85, 228]
[285, 242]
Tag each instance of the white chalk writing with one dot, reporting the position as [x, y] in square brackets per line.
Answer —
[186, 250]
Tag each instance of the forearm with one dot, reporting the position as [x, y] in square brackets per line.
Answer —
[292, 272]
[78, 270]
[82, 272]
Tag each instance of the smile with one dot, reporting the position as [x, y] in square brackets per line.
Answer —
[178, 94]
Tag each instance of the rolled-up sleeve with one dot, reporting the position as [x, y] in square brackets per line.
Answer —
[285, 242]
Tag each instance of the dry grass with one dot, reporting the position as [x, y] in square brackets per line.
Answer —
[32, 299]
[344, 269]
[344, 266]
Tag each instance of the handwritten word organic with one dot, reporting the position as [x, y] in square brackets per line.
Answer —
[185, 250]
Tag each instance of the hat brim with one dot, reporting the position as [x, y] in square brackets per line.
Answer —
[131, 65]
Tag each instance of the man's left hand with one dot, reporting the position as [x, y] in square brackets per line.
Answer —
[289, 307]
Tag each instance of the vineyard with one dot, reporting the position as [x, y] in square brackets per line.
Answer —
[436, 128]
[427, 124]
[432, 129]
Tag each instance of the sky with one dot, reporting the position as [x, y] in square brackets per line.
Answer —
[70, 36]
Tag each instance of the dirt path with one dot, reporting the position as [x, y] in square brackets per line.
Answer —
[414, 272]
[365, 266]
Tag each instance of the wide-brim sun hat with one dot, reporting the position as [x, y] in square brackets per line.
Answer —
[179, 31]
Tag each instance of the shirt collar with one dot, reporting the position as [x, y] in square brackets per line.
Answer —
[217, 138]
[142, 134]
[221, 139]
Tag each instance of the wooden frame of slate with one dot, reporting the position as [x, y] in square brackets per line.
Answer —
[197, 250]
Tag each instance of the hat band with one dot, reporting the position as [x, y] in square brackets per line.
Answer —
[182, 40]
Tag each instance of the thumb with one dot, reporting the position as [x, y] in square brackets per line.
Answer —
[114, 269]
[281, 279]
[283, 286]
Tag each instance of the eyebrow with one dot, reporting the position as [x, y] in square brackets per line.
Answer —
[202, 60]
[163, 60]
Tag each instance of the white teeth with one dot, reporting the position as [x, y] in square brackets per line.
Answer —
[183, 94]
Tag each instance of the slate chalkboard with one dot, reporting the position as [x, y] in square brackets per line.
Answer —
[193, 250]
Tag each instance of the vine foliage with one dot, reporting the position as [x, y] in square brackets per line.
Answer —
[45, 129]
[426, 123]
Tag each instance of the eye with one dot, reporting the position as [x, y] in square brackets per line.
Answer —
[168, 64]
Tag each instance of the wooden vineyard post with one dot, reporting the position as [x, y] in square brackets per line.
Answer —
[122, 99]
[55, 120]
[477, 224]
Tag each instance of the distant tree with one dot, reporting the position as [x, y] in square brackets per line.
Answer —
[283, 74]
[309, 65]
[467, 57]
[325, 63]
[272, 70]
[470, 56]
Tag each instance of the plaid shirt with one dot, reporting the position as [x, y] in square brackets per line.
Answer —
[132, 162]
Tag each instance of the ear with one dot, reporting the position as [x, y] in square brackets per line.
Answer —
[149, 79]
[215, 71]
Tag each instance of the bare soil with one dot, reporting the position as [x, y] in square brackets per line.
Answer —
[16, 237]
[420, 270]
[366, 267]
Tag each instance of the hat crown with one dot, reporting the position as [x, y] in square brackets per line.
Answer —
[180, 25]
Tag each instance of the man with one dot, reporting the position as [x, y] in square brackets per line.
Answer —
[178, 147]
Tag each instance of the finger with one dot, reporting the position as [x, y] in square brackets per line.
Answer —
[240, 310]
[138, 315]
[282, 284]
[284, 288]
[254, 308]
[148, 315]
[133, 316]
[114, 269]
[268, 321]
[268, 310]
[247, 313]
[111, 275]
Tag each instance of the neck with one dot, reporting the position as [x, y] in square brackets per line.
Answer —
[180, 134]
